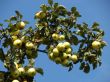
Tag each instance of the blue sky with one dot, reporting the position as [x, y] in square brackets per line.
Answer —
[91, 10]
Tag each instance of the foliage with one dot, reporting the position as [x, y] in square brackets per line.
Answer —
[58, 30]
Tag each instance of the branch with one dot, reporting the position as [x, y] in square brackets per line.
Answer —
[44, 51]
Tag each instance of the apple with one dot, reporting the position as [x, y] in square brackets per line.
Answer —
[25, 81]
[23, 39]
[51, 56]
[15, 73]
[14, 38]
[15, 32]
[68, 50]
[29, 52]
[29, 45]
[65, 56]
[51, 47]
[17, 43]
[21, 25]
[58, 60]
[55, 52]
[40, 15]
[65, 62]
[74, 58]
[55, 36]
[16, 65]
[21, 70]
[67, 44]
[96, 44]
[61, 37]
[15, 80]
[31, 71]
[60, 47]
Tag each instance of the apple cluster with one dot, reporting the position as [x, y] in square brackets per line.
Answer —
[62, 52]
[21, 71]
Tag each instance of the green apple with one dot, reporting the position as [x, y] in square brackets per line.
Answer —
[29, 52]
[15, 80]
[21, 25]
[15, 32]
[58, 60]
[51, 47]
[15, 73]
[74, 58]
[31, 71]
[14, 38]
[55, 36]
[25, 81]
[61, 37]
[21, 70]
[60, 47]
[55, 52]
[29, 45]
[23, 39]
[96, 44]
[17, 43]
[51, 56]
[67, 44]
[40, 14]
[68, 50]
[65, 62]
[65, 56]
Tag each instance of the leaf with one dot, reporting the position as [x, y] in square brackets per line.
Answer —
[7, 20]
[26, 22]
[40, 27]
[18, 14]
[94, 65]
[82, 65]
[55, 5]
[13, 18]
[1, 24]
[77, 14]
[87, 68]
[50, 2]
[73, 9]
[40, 70]
[1, 54]
[74, 39]
[95, 25]
[43, 7]
[7, 42]
[70, 66]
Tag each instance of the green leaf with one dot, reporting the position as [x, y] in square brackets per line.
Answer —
[7, 20]
[86, 68]
[55, 5]
[40, 27]
[40, 70]
[74, 39]
[50, 2]
[1, 24]
[13, 18]
[82, 65]
[73, 9]
[43, 7]
[94, 65]
[95, 25]
[77, 14]
[7, 42]
[26, 22]
[1, 54]
[18, 14]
